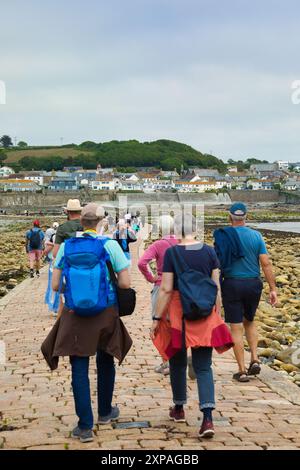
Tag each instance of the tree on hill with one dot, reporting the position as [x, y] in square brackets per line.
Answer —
[22, 144]
[3, 157]
[125, 154]
[6, 141]
[171, 163]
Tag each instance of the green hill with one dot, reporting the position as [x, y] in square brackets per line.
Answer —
[165, 154]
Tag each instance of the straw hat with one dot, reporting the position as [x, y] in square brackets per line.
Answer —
[73, 205]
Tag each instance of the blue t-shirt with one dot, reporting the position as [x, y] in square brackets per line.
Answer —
[28, 235]
[253, 245]
[198, 256]
[117, 258]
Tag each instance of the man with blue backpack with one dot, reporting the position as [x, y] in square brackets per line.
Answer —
[34, 247]
[93, 270]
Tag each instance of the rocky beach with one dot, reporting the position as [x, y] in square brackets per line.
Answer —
[13, 259]
[279, 328]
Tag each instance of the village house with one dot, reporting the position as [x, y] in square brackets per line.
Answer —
[64, 183]
[6, 171]
[292, 185]
[197, 186]
[18, 185]
[105, 184]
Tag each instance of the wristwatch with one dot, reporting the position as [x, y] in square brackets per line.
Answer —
[156, 318]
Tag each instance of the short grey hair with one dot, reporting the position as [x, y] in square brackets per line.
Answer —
[238, 218]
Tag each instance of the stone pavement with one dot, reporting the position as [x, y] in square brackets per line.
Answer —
[38, 403]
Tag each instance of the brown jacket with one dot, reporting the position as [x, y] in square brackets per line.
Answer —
[73, 335]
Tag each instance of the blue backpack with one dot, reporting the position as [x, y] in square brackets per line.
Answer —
[87, 286]
[198, 292]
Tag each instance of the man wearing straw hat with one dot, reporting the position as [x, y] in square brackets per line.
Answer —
[69, 228]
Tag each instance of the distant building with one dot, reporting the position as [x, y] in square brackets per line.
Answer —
[18, 185]
[296, 166]
[197, 186]
[283, 165]
[292, 185]
[64, 184]
[169, 174]
[232, 169]
[39, 179]
[6, 171]
[71, 169]
[206, 173]
[259, 168]
[130, 185]
[254, 184]
[105, 184]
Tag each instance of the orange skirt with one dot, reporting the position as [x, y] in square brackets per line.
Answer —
[207, 332]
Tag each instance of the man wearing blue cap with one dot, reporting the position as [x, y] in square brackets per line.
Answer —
[242, 251]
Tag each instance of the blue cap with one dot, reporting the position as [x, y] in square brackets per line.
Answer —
[238, 208]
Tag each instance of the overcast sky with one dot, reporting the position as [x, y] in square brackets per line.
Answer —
[216, 74]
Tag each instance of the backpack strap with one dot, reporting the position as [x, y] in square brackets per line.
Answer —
[112, 274]
[179, 263]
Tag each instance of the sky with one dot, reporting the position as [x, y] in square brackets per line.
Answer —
[215, 74]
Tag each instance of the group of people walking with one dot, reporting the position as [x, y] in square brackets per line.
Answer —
[190, 283]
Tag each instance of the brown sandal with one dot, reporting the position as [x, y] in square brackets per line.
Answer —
[254, 368]
[241, 377]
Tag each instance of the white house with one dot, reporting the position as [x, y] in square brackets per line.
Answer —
[6, 171]
[194, 187]
[283, 165]
[130, 185]
[292, 185]
[221, 184]
[36, 178]
[255, 184]
[105, 184]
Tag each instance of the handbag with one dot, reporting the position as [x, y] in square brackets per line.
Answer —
[126, 297]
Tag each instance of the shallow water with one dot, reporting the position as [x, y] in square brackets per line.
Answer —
[292, 227]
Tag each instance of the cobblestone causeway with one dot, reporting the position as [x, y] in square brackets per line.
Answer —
[38, 403]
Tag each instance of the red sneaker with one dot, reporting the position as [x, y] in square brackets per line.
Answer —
[177, 415]
[207, 429]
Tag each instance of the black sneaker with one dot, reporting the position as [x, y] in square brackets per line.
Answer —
[38, 274]
[31, 273]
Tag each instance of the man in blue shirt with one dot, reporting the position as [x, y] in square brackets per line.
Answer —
[242, 252]
[34, 247]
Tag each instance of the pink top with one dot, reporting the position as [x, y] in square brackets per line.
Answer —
[156, 252]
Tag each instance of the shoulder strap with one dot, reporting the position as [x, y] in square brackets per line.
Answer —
[112, 274]
[179, 264]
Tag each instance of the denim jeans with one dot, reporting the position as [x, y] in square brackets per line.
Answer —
[81, 387]
[202, 360]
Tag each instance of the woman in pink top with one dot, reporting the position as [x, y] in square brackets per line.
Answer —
[156, 252]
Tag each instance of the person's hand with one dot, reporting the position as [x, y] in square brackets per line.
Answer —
[273, 299]
[153, 329]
